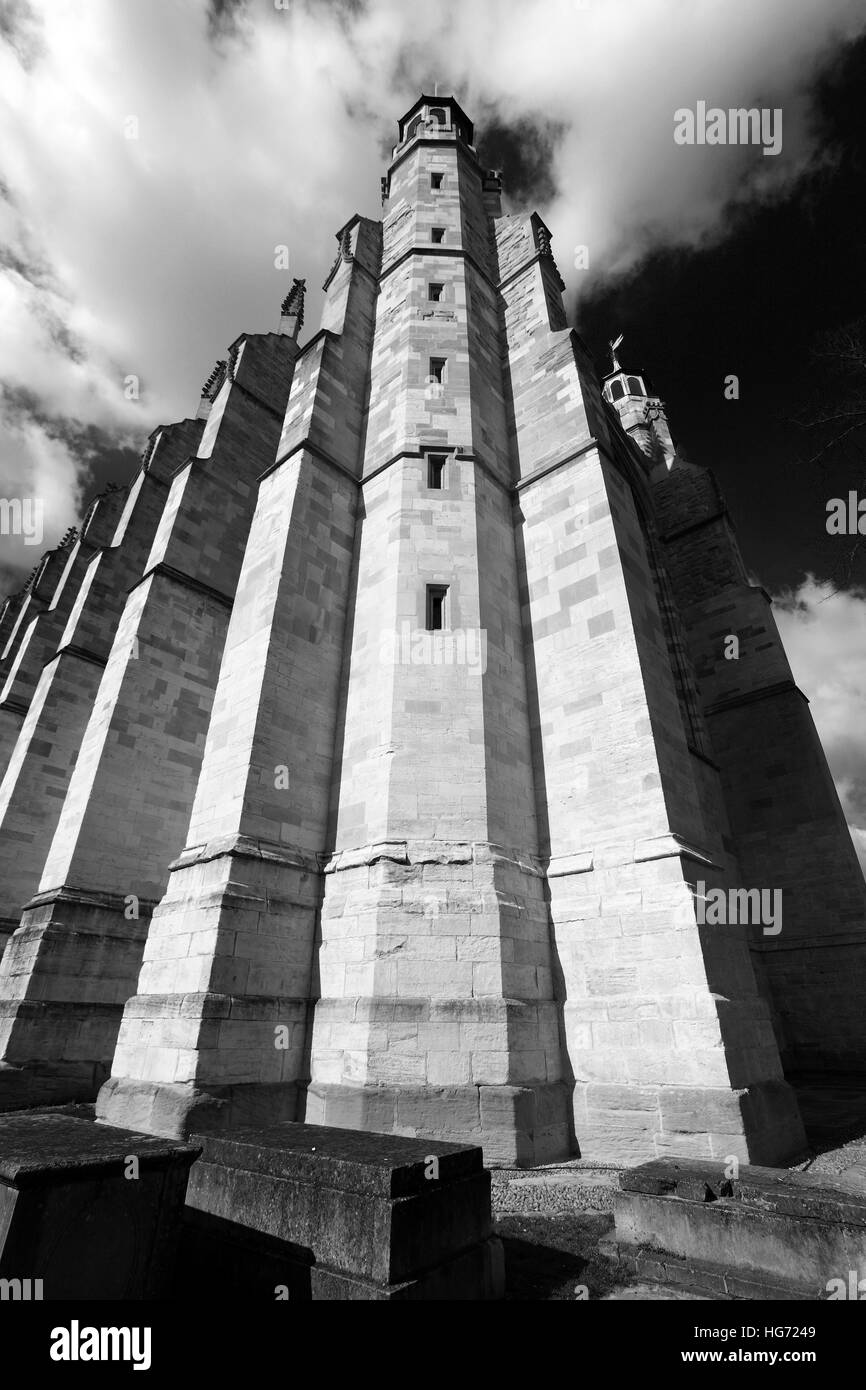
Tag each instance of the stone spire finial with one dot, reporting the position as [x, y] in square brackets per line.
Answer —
[210, 389]
[292, 309]
[214, 381]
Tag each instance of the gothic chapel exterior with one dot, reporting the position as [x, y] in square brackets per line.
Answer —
[261, 860]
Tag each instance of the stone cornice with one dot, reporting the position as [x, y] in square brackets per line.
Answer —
[14, 705]
[245, 847]
[694, 526]
[748, 697]
[545, 469]
[412, 852]
[91, 897]
[187, 581]
[311, 447]
[449, 252]
[81, 653]
[441, 140]
[419, 450]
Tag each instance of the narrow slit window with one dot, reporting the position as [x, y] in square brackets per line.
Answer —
[436, 180]
[436, 471]
[437, 369]
[436, 595]
[434, 292]
[438, 236]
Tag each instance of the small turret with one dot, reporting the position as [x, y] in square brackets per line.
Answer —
[434, 118]
[640, 409]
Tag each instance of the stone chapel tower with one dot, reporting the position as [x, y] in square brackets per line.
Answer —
[413, 739]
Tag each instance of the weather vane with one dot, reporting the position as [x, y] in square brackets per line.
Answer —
[615, 366]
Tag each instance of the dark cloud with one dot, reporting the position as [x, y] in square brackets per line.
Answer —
[224, 17]
[20, 29]
[523, 152]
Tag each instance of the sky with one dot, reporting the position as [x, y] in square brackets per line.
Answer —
[156, 157]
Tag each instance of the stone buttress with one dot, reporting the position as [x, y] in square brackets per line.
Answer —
[784, 811]
[32, 637]
[669, 1043]
[217, 1033]
[37, 777]
[73, 962]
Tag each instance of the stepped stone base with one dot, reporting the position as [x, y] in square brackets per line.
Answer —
[759, 1123]
[64, 978]
[518, 1126]
[177, 1110]
[765, 1234]
[342, 1215]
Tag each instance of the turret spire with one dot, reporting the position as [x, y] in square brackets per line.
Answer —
[292, 309]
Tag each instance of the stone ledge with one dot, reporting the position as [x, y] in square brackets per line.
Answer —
[580, 863]
[670, 847]
[434, 852]
[208, 1004]
[86, 898]
[244, 847]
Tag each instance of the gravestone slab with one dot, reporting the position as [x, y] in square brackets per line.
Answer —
[357, 1215]
[92, 1211]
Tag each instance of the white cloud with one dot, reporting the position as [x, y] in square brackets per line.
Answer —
[42, 473]
[824, 633]
[147, 256]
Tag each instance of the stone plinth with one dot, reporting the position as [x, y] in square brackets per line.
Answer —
[90, 1210]
[360, 1215]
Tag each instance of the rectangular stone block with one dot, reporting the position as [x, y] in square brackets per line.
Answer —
[375, 1212]
[90, 1210]
[780, 1229]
